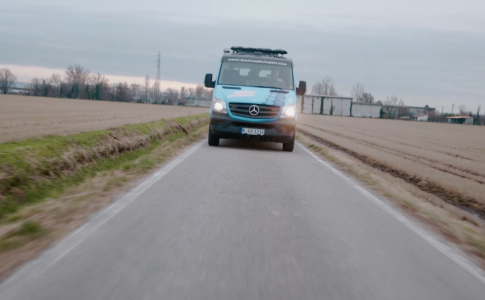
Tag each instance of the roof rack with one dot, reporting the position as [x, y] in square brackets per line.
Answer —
[258, 51]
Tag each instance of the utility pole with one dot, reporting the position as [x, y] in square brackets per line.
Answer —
[157, 82]
[452, 107]
[442, 107]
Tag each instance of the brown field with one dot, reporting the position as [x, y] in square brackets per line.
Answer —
[24, 117]
[446, 160]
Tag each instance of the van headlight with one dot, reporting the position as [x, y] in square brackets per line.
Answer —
[288, 111]
[219, 106]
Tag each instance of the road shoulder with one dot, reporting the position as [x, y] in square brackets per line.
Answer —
[459, 227]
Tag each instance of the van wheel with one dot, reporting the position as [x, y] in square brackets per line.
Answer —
[290, 145]
[213, 139]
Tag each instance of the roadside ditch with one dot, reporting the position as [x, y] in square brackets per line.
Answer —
[50, 185]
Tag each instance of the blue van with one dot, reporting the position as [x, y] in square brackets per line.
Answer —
[254, 97]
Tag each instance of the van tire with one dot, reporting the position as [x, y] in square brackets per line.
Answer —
[213, 139]
[288, 147]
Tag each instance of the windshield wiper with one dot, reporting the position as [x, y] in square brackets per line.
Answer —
[268, 87]
[274, 89]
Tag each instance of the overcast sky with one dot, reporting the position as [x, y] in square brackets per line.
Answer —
[424, 51]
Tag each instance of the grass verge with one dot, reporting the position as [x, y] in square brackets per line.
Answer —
[25, 232]
[34, 225]
[460, 227]
[34, 169]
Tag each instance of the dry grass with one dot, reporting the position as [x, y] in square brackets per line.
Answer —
[34, 227]
[24, 117]
[33, 168]
[446, 160]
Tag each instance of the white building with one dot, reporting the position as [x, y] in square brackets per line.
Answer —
[417, 110]
[397, 112]
[466, 120]
[326, 105]
[366, 110]
[422, 118]
[19, 88]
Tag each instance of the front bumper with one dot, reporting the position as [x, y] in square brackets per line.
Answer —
[279, 131]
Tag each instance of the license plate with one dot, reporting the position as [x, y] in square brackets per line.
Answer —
[252, 131]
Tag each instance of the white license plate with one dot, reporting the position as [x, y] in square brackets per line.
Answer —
[252, 131]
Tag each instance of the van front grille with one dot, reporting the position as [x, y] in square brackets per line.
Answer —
[265, 111]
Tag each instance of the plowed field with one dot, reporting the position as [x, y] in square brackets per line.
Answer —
[447, 160]
[25, 117]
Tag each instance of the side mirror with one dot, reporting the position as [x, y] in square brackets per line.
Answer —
[208, 81]
[301, 89]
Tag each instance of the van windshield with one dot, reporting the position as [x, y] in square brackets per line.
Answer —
[260, 73]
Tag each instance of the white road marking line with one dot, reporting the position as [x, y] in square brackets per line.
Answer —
[438, 245]
[51, 256]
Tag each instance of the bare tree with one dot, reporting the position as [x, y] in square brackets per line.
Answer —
[393, 105]
[367, 98]
[325, 87]
[462, 109]
[99, 85]
[182, 95]
[41, 87]
[123, 92]
[156, 92]
[56, 83]
[7, 79]
[172, 96]
[46, 87]
[146, 88]
[199, 91]
[136, 92]
[358, 92]
[36, 86]
[332, 91]
[477, 118]
[316, 88]
[77, 76]
[208, 94]
[191, 92]
[112, 92]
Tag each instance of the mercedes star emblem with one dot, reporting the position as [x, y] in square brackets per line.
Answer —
[253, 110]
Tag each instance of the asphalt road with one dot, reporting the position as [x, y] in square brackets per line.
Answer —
[247, 222]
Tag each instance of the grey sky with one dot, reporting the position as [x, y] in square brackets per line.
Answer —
[426, 52]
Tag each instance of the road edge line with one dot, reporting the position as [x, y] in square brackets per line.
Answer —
[446, 250]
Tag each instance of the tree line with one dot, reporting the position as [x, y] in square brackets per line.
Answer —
[79, 83]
